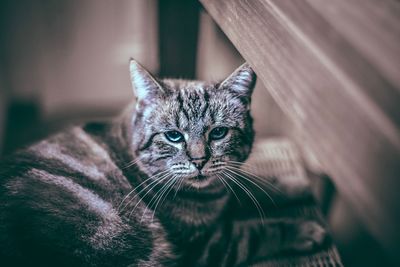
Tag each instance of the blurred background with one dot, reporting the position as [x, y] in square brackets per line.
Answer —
[67, 61]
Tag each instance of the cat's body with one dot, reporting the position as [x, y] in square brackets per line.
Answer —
[149, 188]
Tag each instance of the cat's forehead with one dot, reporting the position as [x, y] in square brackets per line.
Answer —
[195, 105]
[187, 86]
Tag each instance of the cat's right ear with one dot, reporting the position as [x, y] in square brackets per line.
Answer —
[145, 86]
[241, 81]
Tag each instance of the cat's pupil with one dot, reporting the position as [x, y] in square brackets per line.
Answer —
[218, 133]
[174, 136]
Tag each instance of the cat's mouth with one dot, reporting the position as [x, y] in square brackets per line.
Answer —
[200, 177]
[200, 181]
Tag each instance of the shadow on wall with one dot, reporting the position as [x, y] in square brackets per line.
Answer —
[65, 61]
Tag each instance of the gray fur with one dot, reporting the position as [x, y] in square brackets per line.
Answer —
[120, 193]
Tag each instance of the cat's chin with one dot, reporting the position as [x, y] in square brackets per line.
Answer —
[200, 181]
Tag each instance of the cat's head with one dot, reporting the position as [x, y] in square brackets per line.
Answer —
[191, 129]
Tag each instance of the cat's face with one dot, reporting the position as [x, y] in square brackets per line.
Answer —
[190, 130]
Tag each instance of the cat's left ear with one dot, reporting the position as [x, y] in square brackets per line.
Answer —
[145, 86]
[241, 81]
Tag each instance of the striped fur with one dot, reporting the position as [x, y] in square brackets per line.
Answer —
[120, 193]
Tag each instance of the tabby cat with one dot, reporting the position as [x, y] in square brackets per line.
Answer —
[151, 187]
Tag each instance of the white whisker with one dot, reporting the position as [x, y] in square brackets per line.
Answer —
[182, 178]
[155, 183]
[227, 185]
[251, 196]
[131, 163]
[258, 178]
[249, 180]
[134, 189]
[157, 196]
[161, 200]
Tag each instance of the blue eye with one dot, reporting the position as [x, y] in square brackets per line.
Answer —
[174, 136]
[218, 133]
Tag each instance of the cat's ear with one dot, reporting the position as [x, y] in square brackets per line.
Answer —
[145, 86]
[241, 81]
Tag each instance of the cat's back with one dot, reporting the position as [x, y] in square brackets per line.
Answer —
[59, 201]
[70, 159]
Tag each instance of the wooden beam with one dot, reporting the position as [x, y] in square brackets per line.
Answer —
[178, 29]
[3, 112]
[334, 68]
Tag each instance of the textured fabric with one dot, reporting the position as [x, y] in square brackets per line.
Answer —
[279, 158]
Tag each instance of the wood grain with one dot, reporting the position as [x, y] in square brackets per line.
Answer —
[334, 68]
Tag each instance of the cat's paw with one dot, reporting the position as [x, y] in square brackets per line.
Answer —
[309, 236]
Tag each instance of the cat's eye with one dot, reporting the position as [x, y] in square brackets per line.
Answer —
[174, 136]
[218, 133]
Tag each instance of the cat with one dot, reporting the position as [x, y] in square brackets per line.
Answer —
[148, 188]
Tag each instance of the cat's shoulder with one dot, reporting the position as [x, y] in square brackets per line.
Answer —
[71, 151]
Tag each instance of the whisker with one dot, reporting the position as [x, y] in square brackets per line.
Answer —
[239, 164]
[134, 189]
[161, 200]
[222, 181]
[156, 197]
[246, 165]
[158, 181]
[182, 178]
[227, 185]
[249, 180]
[258, 178]
[143, 189]
[151, 200]
[153, 184]
[159, 194]
[131, 163]
[251, 196]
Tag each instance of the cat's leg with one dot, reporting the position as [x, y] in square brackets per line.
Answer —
[304, 236]
[239, 243]
[275, 236]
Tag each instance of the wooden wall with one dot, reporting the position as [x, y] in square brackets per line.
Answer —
[217, 58]
[334, 68]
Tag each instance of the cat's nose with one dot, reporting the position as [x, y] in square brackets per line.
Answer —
[199, 162]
